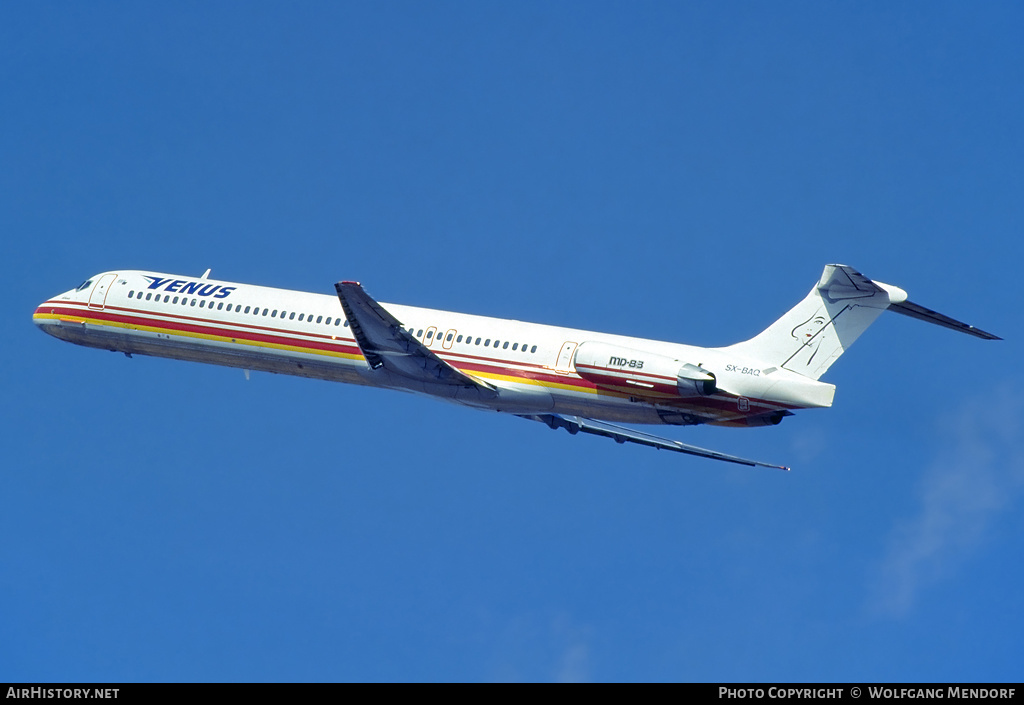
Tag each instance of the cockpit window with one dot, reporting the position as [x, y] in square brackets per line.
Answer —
[84, 285]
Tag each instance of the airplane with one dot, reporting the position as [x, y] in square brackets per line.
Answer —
[580, 381]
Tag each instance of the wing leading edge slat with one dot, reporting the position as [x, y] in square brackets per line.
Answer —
[621, 434]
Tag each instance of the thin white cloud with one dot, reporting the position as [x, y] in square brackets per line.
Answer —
[977, 474]
[532, 647]
[575, 660]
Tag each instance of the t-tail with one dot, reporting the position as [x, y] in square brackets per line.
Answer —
[841, 306]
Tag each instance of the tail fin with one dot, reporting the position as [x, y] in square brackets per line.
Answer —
[815, 332]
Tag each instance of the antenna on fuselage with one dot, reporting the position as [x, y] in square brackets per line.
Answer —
[206, 273]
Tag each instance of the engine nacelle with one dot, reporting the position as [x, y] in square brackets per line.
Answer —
[641, 373]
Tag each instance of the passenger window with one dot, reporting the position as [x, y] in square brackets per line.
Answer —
[420, 334]
[273, 314]
[167, 298]
[328, 321]
[148, 297]
[337, 321]
[220, 306]
[264, 312]
[497, 343]
[449, 338]
[246, 310]
[131, 294]
[319, 319]
[430, 334]
[533, 349]
[515, 346]
[302, 316]
[193, 302]
[202, 303]
[505, 346]
[487, 342]
[175, 299]
[346, 324]
[459, 339]
[229, 307]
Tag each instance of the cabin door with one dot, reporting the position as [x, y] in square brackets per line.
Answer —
[564, 363]
[98, 296]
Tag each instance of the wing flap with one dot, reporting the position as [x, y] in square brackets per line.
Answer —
[621, 434]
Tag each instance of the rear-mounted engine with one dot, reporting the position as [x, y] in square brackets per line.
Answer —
[641, 373]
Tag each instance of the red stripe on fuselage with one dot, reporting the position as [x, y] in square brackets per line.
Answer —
[190, 324]
[723, 402]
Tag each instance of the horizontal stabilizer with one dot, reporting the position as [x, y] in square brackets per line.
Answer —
[814, 333]
[621, 434]
[909, 308]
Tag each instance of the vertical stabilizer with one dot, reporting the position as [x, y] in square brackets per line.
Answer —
[815, 332]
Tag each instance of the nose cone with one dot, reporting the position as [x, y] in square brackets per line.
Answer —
[48, 315]
[45, 317]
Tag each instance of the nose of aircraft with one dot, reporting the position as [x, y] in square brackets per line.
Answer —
[44, 316]
[47, 315]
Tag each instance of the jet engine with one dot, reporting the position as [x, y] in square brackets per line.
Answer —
[641, 373]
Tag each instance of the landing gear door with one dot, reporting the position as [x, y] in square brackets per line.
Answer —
[564, 364]
[98, 296]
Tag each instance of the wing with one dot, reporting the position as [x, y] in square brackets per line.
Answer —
[385, 343]
[621, 434]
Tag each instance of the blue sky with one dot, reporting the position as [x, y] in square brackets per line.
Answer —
[666, 171]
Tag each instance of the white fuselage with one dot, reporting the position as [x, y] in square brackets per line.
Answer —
[305, 334]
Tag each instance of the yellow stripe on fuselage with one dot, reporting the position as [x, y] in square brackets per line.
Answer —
[200, 336]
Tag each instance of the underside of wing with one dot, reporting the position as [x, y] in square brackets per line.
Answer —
[621, 434]
[385, 343]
